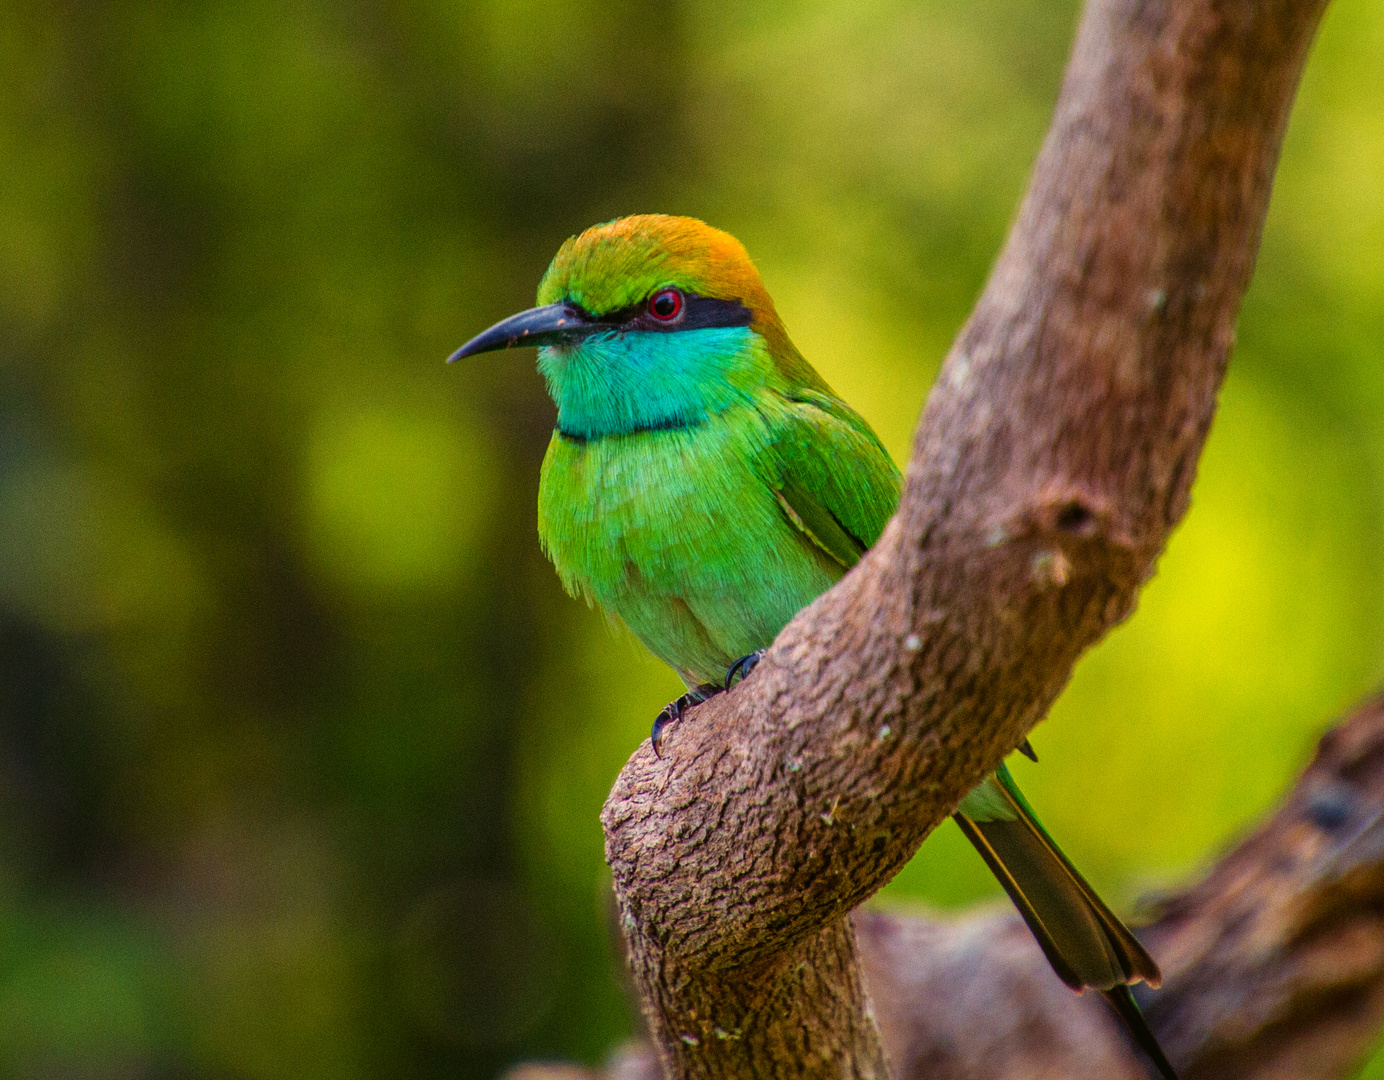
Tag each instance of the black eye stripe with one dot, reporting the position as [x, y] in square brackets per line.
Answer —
[705, 312]
[699, 313]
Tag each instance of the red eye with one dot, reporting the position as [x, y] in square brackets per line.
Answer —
[666, 305]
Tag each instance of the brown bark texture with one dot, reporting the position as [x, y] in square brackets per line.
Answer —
[1273, 963]
[1053, 457]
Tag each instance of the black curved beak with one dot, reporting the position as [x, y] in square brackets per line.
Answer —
[553, 324]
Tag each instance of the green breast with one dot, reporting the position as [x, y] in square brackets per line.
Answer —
[680, 535]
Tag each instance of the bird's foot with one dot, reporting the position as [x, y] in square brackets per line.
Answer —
[744, 666]
[674, 710]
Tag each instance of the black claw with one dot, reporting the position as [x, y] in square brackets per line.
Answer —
[667, 715]
[674, 710]
[744, 666]
[1026, 748]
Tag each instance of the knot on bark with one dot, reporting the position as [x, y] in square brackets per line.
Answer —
[1071, 535]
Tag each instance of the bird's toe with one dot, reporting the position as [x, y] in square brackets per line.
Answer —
[744, 666]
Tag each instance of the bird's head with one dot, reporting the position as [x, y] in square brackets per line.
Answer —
[647, 322]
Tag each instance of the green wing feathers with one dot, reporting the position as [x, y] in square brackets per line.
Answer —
[1083, 940]
[833, 478]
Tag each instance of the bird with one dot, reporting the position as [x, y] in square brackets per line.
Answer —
[703, 484]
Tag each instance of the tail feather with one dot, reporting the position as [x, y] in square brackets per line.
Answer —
[1122, 1001]
[1083, 940]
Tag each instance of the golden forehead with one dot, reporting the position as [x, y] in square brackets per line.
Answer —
[620, 263]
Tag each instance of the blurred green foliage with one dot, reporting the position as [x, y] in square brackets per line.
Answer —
[301, 746]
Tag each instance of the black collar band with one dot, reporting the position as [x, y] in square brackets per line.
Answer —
[673, 423]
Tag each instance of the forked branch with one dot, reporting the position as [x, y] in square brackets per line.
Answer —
[1054, 456]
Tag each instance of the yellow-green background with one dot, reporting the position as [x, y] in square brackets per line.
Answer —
[301, 746]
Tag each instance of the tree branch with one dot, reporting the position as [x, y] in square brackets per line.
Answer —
[1274, 963]
[1053, 458]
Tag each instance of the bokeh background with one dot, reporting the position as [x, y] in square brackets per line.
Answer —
[301, 745]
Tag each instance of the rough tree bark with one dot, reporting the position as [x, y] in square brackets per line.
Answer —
[1053, 458]
[1273, 963]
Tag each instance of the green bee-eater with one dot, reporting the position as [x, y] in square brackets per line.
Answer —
[704, 484]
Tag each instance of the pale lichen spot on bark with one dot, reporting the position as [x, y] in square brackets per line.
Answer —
[1050, 568]
[959, 370]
